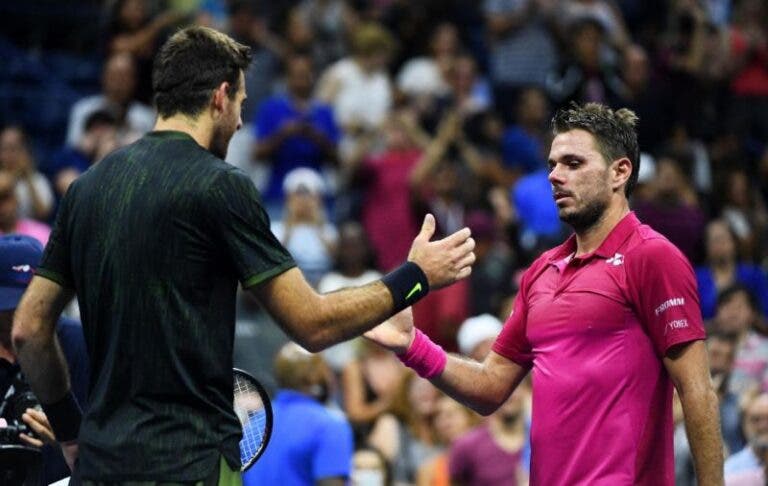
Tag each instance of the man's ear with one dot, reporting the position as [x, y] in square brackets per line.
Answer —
[220, 95]
[622, 170]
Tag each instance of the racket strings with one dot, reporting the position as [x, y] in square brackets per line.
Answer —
[249, 407]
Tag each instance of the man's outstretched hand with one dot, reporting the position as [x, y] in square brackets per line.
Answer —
[443, 261]
[396, 333]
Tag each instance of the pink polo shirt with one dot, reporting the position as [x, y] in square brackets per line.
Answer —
[594, 330]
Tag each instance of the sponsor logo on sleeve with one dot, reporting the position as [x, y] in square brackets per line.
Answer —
[676, 324]
[674, 302]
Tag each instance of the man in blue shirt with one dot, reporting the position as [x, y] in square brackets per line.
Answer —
[310, 444]
[293, 130]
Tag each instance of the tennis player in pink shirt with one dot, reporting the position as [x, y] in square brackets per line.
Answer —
[607, 323]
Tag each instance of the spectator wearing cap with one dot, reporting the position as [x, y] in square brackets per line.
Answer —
[294, 129]
[304, 229]
[477, 334]
[10, 220]
[19, 257]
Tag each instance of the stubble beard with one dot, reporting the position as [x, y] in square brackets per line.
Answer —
[220, 142]
[586, 218]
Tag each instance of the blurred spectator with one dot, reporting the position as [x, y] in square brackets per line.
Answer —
[132, 29]
[737, 314]
[304, 229]
[725, 268]
[604, 12]
[427, 76]
[749, 67]
[526, 142]
[369, 386]
[387, 211]
[294, 130]
[310, 444]
[33, 193]
[744, 210]
[752, 458]
[406, 434]
[641, 94]
[522, 47]
[249, 26]
[97, 140]
[370, 468]
[354, 267]
[721, 348]
[452, 421]
[477, 334]
[331, 21]
[493, 452]
[19, 257]
[358, 87]
[585, 76]
[491, 273]
[440, 185]
[118, 84]
[690, 63]
[674, 210]
[10, 221]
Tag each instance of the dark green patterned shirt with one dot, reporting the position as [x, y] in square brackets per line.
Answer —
[154, 239]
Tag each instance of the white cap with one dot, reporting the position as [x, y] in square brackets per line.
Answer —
[304, 178]
[647, 168]
[477, 329]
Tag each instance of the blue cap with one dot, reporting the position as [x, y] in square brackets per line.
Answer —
[19, 257]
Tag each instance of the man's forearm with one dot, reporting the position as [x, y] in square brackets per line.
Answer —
[44, 367]
[702, 425]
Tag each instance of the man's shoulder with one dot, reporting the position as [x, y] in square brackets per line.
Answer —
[646, 242]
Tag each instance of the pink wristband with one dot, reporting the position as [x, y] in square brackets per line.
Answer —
[424, 357]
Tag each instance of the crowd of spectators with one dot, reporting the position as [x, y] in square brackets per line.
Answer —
[364, 115]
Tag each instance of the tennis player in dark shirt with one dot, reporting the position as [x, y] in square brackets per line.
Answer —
[153, 241]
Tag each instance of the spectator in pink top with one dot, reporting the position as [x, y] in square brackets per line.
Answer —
[606, 323]
[9, 212]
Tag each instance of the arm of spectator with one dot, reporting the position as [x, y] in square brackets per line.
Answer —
[687, 366]
[38, 422]
[326, 145]
[39, 193]
[358, 409]
[317, 321]
[433, 155]
[137, 42]
[482, 387]
[267, 146]
[385, 436]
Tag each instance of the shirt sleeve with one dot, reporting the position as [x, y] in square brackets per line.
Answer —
[663, 288]
[512, 342]
[335, 446]
[56, 262]
[243, 228]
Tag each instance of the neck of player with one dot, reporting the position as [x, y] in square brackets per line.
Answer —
[200, 129]
[590, 239]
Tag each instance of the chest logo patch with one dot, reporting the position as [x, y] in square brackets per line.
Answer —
[616, 260]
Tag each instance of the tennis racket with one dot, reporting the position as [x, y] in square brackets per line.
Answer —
[254, 410]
